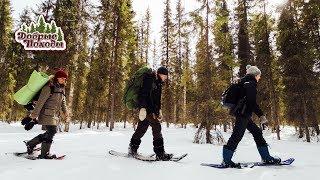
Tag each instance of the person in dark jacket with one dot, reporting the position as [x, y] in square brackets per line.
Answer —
[47, 112]
[244, 121]
[150, 113]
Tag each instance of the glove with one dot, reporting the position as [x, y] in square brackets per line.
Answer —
[26, 120]
[263, 120]
[142, 114]
[30, 124]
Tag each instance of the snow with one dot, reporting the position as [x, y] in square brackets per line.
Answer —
[88, 158]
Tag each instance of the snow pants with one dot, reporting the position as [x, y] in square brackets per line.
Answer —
[46, 137]
[241, 124]
[142, 128]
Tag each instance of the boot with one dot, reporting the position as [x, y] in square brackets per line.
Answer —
[33, 143]
[227, 156]
[133, 147]
[164, 156]
[266, 157]
[158, 148]
[45, 149]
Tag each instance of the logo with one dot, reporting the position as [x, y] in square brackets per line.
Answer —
[41, 36]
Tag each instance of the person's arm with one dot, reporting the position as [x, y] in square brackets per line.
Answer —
[145, 94]
[251, 98]
[44, 95]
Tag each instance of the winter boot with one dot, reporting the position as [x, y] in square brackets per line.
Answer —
[227, 156]
[164, 156]
[45, 149]
[133, 147]
[158, 148]
[265, 156]
[33, 143]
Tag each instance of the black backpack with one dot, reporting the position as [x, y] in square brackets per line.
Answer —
[232, 98]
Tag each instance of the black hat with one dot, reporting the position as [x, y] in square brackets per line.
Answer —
[162, 70]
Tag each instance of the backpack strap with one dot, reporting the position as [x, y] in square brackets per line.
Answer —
[52, 89]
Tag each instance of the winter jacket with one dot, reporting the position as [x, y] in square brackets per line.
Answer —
[249, 91]
[51, 101]
[149, 96]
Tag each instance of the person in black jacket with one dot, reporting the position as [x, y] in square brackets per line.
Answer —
[149, 98]
[244, 121]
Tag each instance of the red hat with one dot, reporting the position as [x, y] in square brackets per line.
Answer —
[61, 74]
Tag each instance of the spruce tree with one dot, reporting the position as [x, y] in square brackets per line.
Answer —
[167, 54]
[7, 60]
[226, 59]
[244, 49]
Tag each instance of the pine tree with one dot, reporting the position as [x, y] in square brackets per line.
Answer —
[244, 52]
[310, 24]
[53, 27]
[154, 54]
[82, 68]
[267, 94]
[207, 101]
[68, 15]
[225, 48]
[147, 21]
[24, 28]
[41, 25]
[25, 17]
[60, 35]
[32, 28]
[7, 60]
[298, 75]
[48, 29]
[167, 50]
[187, 83]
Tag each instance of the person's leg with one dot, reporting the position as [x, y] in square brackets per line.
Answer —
[237, 134]
[137, 135]
[34, 142]
[256, 133]
[47, 141]
[158, 144]
[261, 144]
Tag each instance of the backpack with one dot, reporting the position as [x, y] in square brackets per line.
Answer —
[132, 88]
[231, 98]
[30, 106]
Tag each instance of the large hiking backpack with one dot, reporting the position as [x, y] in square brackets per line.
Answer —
[132, 88]
[231, 98]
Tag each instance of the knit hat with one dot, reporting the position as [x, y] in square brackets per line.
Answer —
[253, 70]
[162, 70]
[60, 74]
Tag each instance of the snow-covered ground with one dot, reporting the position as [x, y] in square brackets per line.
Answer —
[88, 158]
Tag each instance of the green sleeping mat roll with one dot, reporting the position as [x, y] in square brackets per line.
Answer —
[36, 81]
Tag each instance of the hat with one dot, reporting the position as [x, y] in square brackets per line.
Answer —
[61, 74]
[253, 70]
[162, 70]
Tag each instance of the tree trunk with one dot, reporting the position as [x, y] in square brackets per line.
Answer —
[305, 117]
[114, 66]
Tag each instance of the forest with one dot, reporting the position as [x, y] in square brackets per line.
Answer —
[205, 50]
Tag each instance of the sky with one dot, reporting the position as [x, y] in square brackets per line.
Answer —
[140, 7]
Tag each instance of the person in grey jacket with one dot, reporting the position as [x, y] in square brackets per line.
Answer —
[47, 112]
